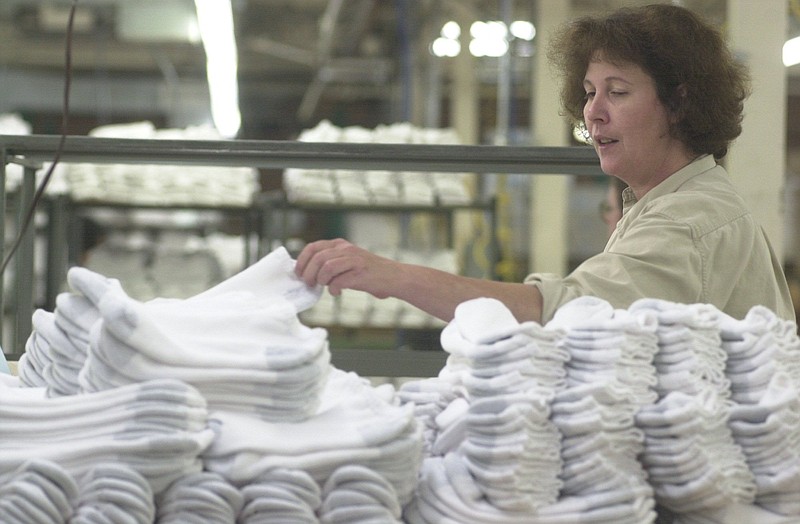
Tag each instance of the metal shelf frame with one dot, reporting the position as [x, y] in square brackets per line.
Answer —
[33, 151]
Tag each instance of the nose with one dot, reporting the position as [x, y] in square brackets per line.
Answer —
[595, 109]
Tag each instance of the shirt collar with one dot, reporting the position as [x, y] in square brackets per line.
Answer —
[697, 166]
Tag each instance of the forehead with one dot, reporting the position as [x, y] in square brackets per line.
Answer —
[601, 68]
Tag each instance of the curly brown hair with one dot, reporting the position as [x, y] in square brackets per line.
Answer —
[696, 76]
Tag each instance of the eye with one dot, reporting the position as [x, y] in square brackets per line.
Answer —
[618, 93]
[589, 95]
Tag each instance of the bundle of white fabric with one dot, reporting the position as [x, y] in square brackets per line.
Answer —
[240, 343]
[691, 457]
[439, 404]
[690, 454]
[113, 494]
[197, 498]
[610, 376]
[355, 425]
[495, 444]
[763, 364]
[158, 428]
[690, 358]
[42, 492]
[58, 346]
[37, 491]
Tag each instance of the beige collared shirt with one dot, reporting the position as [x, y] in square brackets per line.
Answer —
[691, 239]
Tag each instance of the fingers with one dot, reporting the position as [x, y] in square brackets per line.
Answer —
[319, 262]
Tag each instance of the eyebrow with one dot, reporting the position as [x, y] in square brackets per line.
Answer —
[609, 79]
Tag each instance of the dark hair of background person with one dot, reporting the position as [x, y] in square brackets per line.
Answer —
[696, 75]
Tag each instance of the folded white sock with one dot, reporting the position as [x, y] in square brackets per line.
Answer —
[203, 496]
[272, 275]
[115, 490]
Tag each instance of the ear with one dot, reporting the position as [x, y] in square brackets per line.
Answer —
[678, 103]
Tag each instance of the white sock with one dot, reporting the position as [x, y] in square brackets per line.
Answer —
[114, 489]
[204, 496]
[272, 275]
[37, 491]
[353, 488]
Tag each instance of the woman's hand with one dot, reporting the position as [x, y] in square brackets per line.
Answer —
[340, 265]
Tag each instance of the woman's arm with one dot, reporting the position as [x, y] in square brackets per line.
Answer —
[340, 265]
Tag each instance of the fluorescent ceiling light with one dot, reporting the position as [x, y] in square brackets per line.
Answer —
[791, 52]
[215, 20]
[488, 38]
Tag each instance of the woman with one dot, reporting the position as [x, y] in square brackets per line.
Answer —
[661, 98]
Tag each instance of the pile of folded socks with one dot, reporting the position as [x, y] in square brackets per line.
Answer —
[690, 454]
[158, 184]
[438, 406]
[158, 428]
[524, 424]
[382, 187]
[763, 364]
[280, 495]
[354, 493]
[41, 491]
[497, 453]
[115, 494]
[610, 376]
[240, 343]
[368, 470]
[356, 425]
[197, 498]
[37, 491]
[57, 348]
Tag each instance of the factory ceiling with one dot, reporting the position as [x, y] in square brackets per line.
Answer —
[293, 55]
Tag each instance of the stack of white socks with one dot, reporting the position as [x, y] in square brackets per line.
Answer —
[439, 406]
[37, 492]
[492, 354]
[56, 350]
[34, 365]
[690, 356]
[511, 372]
[357, 495]
[691, 457]
[764, 368]
[690, 454]
[158, 428]
[452, 496]
[281, 496]
[769, 434]
[610, 376]
[50, 359]
[198, 498]
[763, 364]
[355, 425]
[448, 493]
[113, 494]
[759, 346]
[496, 436]
[240, 343]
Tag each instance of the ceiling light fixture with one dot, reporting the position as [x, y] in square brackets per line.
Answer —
[488, 39]
[215, 20]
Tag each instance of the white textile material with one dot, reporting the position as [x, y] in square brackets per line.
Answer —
[241, 342]
[360, 427]
[158, 428]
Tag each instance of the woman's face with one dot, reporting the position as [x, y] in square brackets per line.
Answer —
[629, 125]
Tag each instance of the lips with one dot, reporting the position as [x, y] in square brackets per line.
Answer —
[603, 141]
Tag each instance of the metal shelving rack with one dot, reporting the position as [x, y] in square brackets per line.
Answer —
[32, 151]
